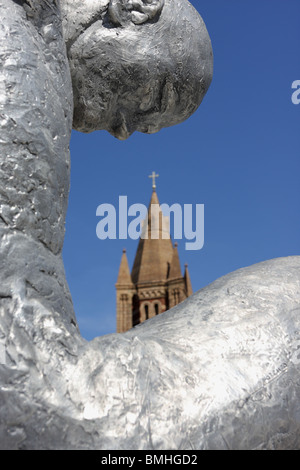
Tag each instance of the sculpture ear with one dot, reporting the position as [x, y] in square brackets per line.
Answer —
[121, 12]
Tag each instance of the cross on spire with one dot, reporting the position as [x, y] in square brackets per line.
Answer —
[153, 176]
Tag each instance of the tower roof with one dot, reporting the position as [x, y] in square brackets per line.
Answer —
[154, 253]
[156, 283]
[124, 277]
[175, 269]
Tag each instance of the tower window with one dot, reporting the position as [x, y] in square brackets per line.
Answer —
[176, 294]
[146, 312]
[156, 307]
[124, 301]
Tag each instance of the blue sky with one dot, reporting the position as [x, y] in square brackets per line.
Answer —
[239, 155]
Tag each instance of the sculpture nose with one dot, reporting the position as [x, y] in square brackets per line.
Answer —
[122, 131]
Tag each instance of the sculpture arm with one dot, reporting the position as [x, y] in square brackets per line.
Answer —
[35, 126]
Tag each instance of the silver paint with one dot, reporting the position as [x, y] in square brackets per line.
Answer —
[219, 371]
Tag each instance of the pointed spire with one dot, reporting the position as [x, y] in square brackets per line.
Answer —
[187, 279]
[175, 269]
[153, 200]
[154, 253]
[124, 276]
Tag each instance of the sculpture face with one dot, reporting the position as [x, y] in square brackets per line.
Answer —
[136, 65]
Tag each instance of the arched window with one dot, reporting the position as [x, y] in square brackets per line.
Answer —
[156, 308]
[124, 301]
[176, 294]
[146, 312]
[136, 318]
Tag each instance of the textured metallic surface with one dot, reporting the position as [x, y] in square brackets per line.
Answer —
[219, 371]
[131, 76]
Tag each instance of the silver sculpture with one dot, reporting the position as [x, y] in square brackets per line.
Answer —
[220, 370]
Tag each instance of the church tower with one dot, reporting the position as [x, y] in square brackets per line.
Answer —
[156, 283]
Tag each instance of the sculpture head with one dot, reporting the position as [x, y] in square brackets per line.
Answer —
[136, 65]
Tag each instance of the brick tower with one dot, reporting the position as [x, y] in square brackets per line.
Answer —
[156, 283]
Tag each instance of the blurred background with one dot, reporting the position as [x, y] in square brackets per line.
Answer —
[239, 155]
